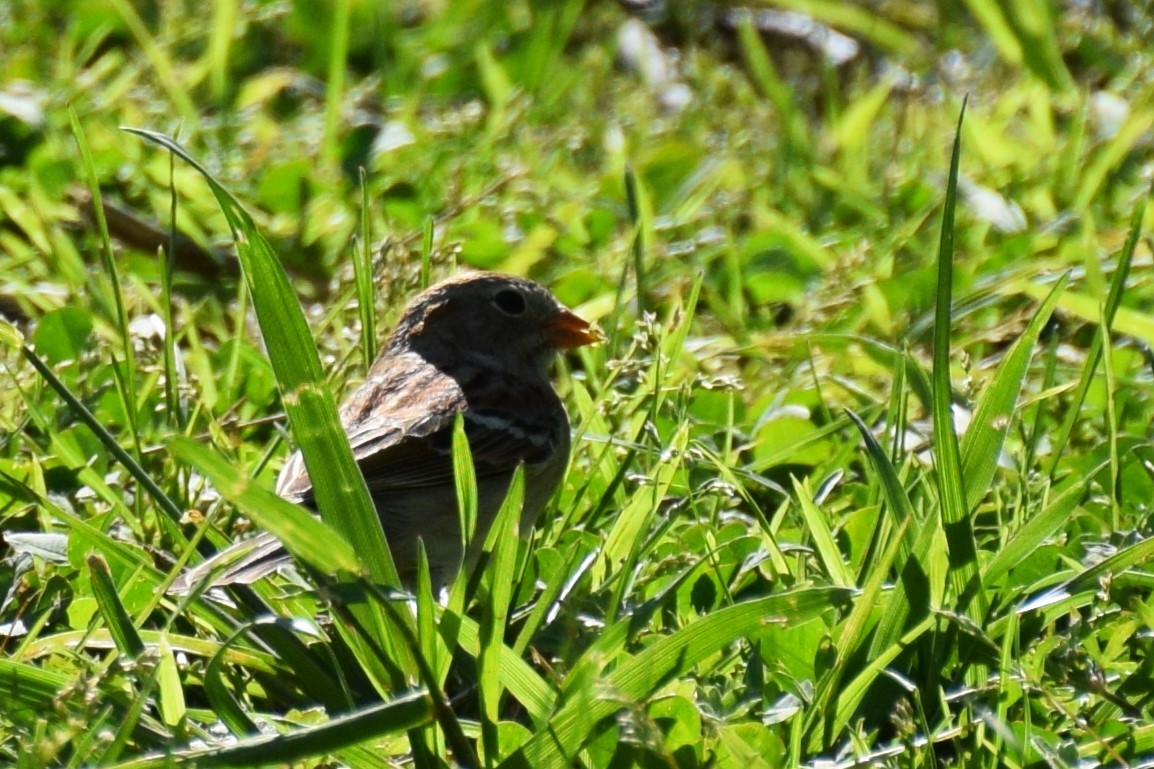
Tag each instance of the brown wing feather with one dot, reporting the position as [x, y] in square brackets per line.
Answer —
[399, 444]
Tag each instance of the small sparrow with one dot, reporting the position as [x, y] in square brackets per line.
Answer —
[479, 345]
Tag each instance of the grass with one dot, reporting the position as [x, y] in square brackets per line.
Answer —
[771, 548]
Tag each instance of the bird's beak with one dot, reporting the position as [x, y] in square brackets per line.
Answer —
[566, 331]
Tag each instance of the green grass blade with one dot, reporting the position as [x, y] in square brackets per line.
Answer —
[860, 21]
[392, 717]
[340, 491]
[173, 375]
[338, 47]
[304, 536]
[854, 632]
[26, 686]
[254, 660]
[982, 443]
[627, 537]
[1036, 427]
[465, 481]
[989, 16]
[431, 648]
[1098, 169]
[221, 30]
[162, 500]
[1039, 528]
[1116, 491]
[363, 272]
[169, 691]
[1094, 354]
[640, 222]
[913, 598]
[120, 625]
[518, 677]
[1089, 578]
[125, 370]
[853, 693]
[947, 456]
[817, 524]
[501, 544]
[1038, 32]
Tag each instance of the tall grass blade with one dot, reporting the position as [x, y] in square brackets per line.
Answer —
[224, 17]
[947, 456]
[171, 510]
[340, 491]
[363, 272]
[913, 548]
[501, 544]
[125, 370]
[173, 374]
[827, 701]
[465, 478]
[983, 441]
[988, 14]
[432, 649]
[1037, 32]
[639, 223]
[1094, 354]
[337, 484]
[338, 48]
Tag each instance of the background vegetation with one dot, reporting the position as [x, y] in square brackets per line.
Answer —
[762, 555]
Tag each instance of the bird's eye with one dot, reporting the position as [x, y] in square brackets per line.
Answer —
[509, 301]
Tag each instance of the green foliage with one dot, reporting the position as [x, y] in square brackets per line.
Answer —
[862, 475]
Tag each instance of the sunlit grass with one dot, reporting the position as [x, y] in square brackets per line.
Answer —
[762, 554]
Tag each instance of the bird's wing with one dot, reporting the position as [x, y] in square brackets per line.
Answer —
[400, 427]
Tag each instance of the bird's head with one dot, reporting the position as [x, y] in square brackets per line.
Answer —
[503, 320]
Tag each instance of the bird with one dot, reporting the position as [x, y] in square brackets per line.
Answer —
[479, 345]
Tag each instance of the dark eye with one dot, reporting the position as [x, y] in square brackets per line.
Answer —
[509, 301]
